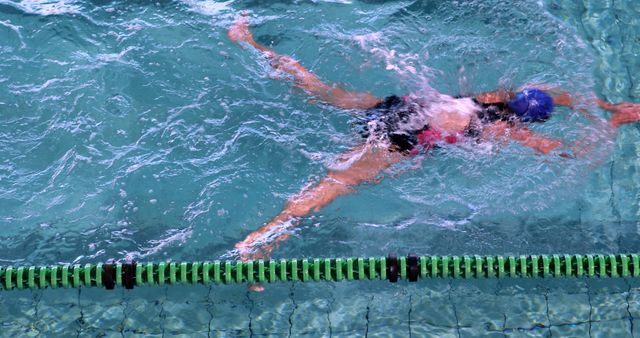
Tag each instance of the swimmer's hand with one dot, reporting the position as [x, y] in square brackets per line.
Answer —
[255, 287]
[248, 252]
[239, 31]
[623, 113]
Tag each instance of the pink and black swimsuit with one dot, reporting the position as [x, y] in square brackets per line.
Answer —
[395, 111]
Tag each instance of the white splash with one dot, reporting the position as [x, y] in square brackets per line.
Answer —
[452, 113]
[45, 7]
[115, 57]
[172, 237]
[427, 102]
[364, 39]
[209, 7]
[345, 161]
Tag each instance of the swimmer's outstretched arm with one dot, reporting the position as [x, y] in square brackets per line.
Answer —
[368, 164]
[303, 78]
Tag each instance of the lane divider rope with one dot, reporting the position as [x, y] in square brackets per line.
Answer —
[392, 268]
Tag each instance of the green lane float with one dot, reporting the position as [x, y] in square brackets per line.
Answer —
[392, 268]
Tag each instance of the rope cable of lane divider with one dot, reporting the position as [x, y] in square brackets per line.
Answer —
[411, 268]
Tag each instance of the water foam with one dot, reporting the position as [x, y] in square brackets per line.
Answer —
[45, 7]
[209, 7]
[412, 71]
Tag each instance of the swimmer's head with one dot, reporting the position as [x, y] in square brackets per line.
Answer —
[532, 105]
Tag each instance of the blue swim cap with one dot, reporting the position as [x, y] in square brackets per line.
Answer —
[532, 105]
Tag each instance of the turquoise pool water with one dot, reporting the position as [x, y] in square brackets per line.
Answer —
[138, 130]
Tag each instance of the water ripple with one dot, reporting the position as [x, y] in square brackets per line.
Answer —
[138, 129]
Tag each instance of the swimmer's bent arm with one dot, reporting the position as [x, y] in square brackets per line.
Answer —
[303, 78]
[524, 136]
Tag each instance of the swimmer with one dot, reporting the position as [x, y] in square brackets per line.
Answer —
[398, 127]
